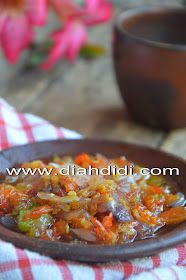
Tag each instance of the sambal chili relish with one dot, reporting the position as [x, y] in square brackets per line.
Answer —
[94, 209]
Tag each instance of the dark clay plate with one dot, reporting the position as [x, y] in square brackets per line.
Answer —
[96, 253]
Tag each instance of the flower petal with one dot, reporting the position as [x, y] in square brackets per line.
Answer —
[78, 37]
[66, 8]
[67, 43]
[2, 21]
[97, 11]
[58, 51]
[16, 34]
[37, 11]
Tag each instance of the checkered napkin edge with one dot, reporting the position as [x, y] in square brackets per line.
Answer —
[17, 264]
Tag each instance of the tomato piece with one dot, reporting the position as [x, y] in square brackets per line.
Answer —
[108, 221]
[68, 183]
[10, 198]
[60, 227]
[83, 160]
[103, 235]
[121, 162]
[154, 202]
[38, 211]
[155, 190]
[174, 216]
[142, 214]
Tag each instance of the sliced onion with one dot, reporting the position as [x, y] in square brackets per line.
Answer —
[72, 214]
[179, 202]
[81, 180]
[57, 199]
[121, 214]
[85, 234]
[56, 165]
[108, 206]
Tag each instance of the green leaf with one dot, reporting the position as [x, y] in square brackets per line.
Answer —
[38, 52]
[36, 59]
[44, 46]
[91, 51]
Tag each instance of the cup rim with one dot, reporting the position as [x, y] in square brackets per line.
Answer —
[143, 10]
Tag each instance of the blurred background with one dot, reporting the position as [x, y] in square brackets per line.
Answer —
[135, 3]
[84, 96]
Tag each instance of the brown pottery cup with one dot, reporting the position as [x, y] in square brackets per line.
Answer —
[149, 51]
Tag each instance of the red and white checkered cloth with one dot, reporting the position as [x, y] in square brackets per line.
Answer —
[16, 264]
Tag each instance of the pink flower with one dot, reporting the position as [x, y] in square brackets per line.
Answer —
[97, 11]
[65, 9]
[69, 40]
[67, 43]
[92, 13]
[17, 19]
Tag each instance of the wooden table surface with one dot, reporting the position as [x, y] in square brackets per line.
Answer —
[83, 97]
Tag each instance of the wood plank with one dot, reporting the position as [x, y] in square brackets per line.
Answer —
[7, 72]
[26, 86]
